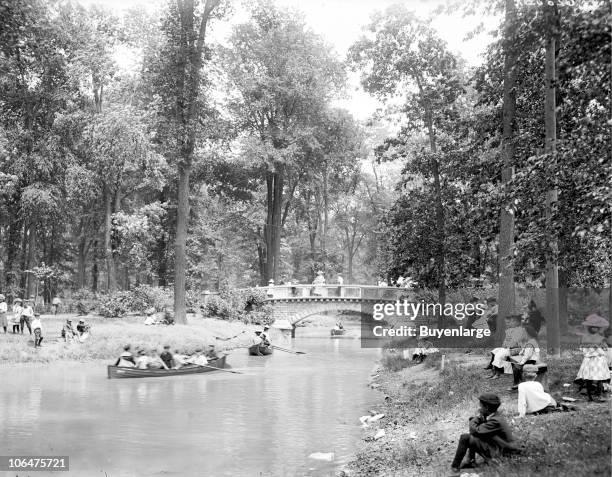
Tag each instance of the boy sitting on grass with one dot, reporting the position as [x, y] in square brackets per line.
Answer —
[489, 434]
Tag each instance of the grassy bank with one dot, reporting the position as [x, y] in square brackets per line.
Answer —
[427, 410]
[109, 335]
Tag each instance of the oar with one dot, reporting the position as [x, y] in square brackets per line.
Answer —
[227, 339]
[220, 369]
[287, 350]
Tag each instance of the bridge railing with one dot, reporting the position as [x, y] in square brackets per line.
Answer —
[335, 291]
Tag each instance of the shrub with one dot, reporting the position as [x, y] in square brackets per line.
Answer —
[83, 301]
[147, 296]
[249, 306]
[118, 304]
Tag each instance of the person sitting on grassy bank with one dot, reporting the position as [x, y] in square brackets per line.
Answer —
[511, 346]
[529, 354]
[531, 396]
[489, 434]
[68, 332]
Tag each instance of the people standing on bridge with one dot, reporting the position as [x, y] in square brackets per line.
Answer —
[318, 282]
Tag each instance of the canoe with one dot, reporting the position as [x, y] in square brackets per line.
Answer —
[116, 372]
[335, 332]
[265, 350]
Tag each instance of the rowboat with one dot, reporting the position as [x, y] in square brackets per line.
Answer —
[265, 350]
[335, 332]
[116, 372]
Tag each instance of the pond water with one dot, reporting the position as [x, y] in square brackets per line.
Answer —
[264, 422]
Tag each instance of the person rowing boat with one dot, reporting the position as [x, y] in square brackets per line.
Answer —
[126, 360]
[199, 359]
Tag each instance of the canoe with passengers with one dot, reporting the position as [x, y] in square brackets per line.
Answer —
[257, 350]
[115, 372]
[335, 332]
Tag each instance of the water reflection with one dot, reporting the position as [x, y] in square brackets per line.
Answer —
[268, 420]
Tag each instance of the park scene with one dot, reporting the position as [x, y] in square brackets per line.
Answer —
[287, 238]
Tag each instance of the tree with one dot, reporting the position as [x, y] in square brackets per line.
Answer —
[403, 56]
[184, 55]
[506, 228]
[284, 75]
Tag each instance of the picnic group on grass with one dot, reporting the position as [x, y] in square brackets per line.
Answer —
[489, 434]
[22, 316]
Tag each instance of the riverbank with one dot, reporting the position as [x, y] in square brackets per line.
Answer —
[426, 410]
[109, 335]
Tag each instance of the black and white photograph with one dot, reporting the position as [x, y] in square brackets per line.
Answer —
[305, 238]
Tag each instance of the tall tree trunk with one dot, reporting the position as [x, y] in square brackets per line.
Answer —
[325, 218]
[506, 221]
[31, 260]
[12, 251]
[180, 260]
[550, 121]
[81, 260]
[23, 279]
[268, 229]
[111, 271]
[277, 209]
[95, 269]
[440, 220]
[563, 323]
[190, 55]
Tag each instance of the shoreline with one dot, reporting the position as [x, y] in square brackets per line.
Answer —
[426, 410]
[109, 335]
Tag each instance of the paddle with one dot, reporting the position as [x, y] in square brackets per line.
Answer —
[287, 350]
[220, 369]
[227, 339]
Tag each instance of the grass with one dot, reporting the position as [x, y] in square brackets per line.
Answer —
[427, 410]
[108, 336]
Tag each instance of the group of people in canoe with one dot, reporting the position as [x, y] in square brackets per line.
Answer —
[151, 359]
[260, 343]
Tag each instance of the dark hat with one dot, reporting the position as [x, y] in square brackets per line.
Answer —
[490, 399]
[211, 346]
[258, 332]
[266, 327]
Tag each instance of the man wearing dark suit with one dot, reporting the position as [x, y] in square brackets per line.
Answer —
[489, 434]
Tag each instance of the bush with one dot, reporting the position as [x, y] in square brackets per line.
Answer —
[146, 296]
[247, 305]
[118, 304]
[83, 302]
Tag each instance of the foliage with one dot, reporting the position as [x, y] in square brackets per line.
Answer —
[239, 304]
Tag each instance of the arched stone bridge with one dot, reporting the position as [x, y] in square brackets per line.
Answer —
[293, 303]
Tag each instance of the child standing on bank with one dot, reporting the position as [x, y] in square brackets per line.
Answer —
[27, 314]
[594, 368]
[3, 313]
[17, 309]
[37, 327]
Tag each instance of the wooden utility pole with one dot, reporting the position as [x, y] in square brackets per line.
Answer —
[506, 219]
[550, 149]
